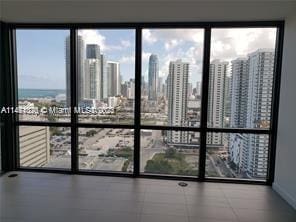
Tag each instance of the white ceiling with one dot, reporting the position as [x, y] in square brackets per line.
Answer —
[180, 1]
[144, 10]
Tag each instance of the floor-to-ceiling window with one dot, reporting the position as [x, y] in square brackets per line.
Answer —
[172, 62]
[195, 101]
[240, 92]
[42, 82]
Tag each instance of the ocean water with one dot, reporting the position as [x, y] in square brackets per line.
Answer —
[39, 93]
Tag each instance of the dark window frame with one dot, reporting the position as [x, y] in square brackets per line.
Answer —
[11, 123]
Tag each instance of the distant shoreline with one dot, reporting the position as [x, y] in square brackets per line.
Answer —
[39, 93]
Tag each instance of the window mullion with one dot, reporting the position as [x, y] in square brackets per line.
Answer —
[204, 102]
[137, 131]
[73, 88]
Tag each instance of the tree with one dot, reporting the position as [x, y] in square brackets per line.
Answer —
[170, 153]
[158, 166]
[91, 133]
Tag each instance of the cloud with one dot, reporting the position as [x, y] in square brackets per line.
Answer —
[127, 59]
[187, 44]
[148, 37]
[125, 43]
[171, 44]
[190, 35]
[229, 44]
[93, 37]
[145, 56]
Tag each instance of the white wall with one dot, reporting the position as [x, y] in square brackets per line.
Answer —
[190, 10]
[285, 174]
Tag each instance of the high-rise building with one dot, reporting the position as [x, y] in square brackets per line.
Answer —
[198, 88]
[113, 75]
[177, 100]
[261, 65]
[92, 51]
[251, 155]
[153, 77]
[131, 89]
[144, 87]
[238, 116]
[159, 85]
[216, 101]
[92, 79]
[190, 89]
[227, 100]
[80, 69]
[104, 78]
[92, 73]
[34, 146]
[124, 89]
[128, 89]
[239, 89]
[167, 88]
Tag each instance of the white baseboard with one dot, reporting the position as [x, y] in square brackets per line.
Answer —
[285, 195]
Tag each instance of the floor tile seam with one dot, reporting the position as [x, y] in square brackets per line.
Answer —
[232, 209]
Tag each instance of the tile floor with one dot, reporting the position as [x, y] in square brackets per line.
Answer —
[42, 197]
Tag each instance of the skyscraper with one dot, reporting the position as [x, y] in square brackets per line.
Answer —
[92, 74]
[261, 65]
[104, 78]
[159, 85]
[256, 101]
[113, 75]
[153, 73]
[143, 87]
[80, 69]
[216, 101]
[227, 100]
[92, 51]
[198, 88]
[190, 89]
[131, 89]
[128, 89]
[239, 88]
[92, 79]
[238, 117]
[177, 100]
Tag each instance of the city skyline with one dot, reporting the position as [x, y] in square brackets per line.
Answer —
[172, 99]
[227, 44]
[44, 73]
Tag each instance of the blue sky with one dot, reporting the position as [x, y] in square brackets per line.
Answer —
[41, 58]
[41, 53]
[173, 44]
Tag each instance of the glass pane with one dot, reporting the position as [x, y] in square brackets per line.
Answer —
[241, 77]
[234, 155]
[169, 152]
[43, 75]
[42, 146]
[171, 77]
[106, 76]
[105, 149]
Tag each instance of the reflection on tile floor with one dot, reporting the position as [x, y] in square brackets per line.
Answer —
[35, 197]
